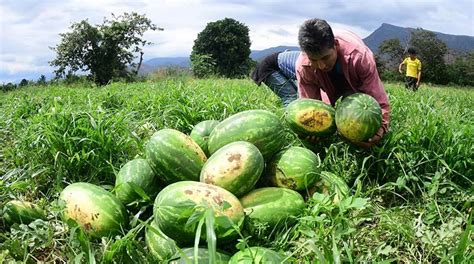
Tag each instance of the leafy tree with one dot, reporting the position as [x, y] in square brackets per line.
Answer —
[391, 53]
[462, 70]
[203, 65]
[104, 51]
[431, 52]
[227, 43]
[23, 82]
[41, 80]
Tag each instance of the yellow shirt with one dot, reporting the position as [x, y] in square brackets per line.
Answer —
[413, 66]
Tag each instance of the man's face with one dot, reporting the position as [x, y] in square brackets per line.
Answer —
[325, 60]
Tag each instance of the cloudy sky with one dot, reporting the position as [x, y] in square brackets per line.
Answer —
[29, 27]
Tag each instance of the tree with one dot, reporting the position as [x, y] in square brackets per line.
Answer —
[104, 51]
[224, 44]
[462, 70]
[391, 52]
[23, 83]
[41, 80]
[431, 51]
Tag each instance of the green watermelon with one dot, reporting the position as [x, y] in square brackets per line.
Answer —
[310, 117]
[235, 167]
[259, 127]
[96, 210]
[174, 156]
[186, 256]
[295, 168]
[160, 245]
[358, 117]
[269, 207]
[177, 202]
[201, 131]
[331, 184]
[21, 212]
[257, 255]
[134, 174]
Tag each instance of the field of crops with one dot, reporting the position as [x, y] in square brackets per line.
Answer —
[410, 199]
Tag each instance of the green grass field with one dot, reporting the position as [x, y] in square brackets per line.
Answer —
[411, 195]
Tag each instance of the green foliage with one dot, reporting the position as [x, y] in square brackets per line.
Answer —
[391, 52]
[225, 46]
[104, 51]
[462, 70]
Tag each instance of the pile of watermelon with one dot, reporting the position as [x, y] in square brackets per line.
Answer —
[242, 169]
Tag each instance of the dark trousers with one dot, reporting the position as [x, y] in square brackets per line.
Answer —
[410, 83]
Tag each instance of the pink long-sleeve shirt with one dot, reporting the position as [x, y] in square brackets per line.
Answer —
[359, 69]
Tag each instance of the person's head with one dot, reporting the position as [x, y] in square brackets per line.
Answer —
[316, 39]
[412, 53]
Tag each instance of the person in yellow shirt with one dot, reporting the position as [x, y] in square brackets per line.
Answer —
[413, 73]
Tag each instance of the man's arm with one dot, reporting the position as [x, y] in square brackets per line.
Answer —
[400, 66]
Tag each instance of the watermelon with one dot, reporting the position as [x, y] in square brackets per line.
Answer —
[257, 255]
[160, 245]
[259, 127]
[235, 167]
[358, 117]
[201, 131]
[96, 210]
[177, 202]
[174, 156]
[310, 117]
[295, 168]
[332, 185]
[21, 212]
[135, 174]
[270, 207]
[187, 256]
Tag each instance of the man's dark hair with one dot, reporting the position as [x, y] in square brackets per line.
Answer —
[315, 35]
[411, 51]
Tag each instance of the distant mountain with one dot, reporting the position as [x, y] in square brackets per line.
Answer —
[458, 43]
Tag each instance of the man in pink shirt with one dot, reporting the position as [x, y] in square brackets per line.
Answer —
[338, 64]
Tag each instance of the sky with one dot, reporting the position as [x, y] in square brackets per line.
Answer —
[28, 27]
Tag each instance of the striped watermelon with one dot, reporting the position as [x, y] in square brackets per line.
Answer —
[21, 212]
[259, 127]
[177, 202]
[235, 167]
[96, 210]
[257, 255]
[174, 156]
[310, 117]
[332, 185]
[186, 256]
[270, 207]
[201, 131]
[160, 245]
[295, 168]
[134, 174]
[358, 117]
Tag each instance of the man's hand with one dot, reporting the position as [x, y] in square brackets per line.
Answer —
[369, 143]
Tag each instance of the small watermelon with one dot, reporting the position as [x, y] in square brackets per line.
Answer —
[160, 245]
[96, 210]
[174, 156]
[358, 117]
[201, 131]
[310, 117]
[235, 167]
[295, 168]
[134, 174]
[21, 212]
[259, 127]
[332, 185]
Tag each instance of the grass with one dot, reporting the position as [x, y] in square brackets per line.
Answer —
[411, 195]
